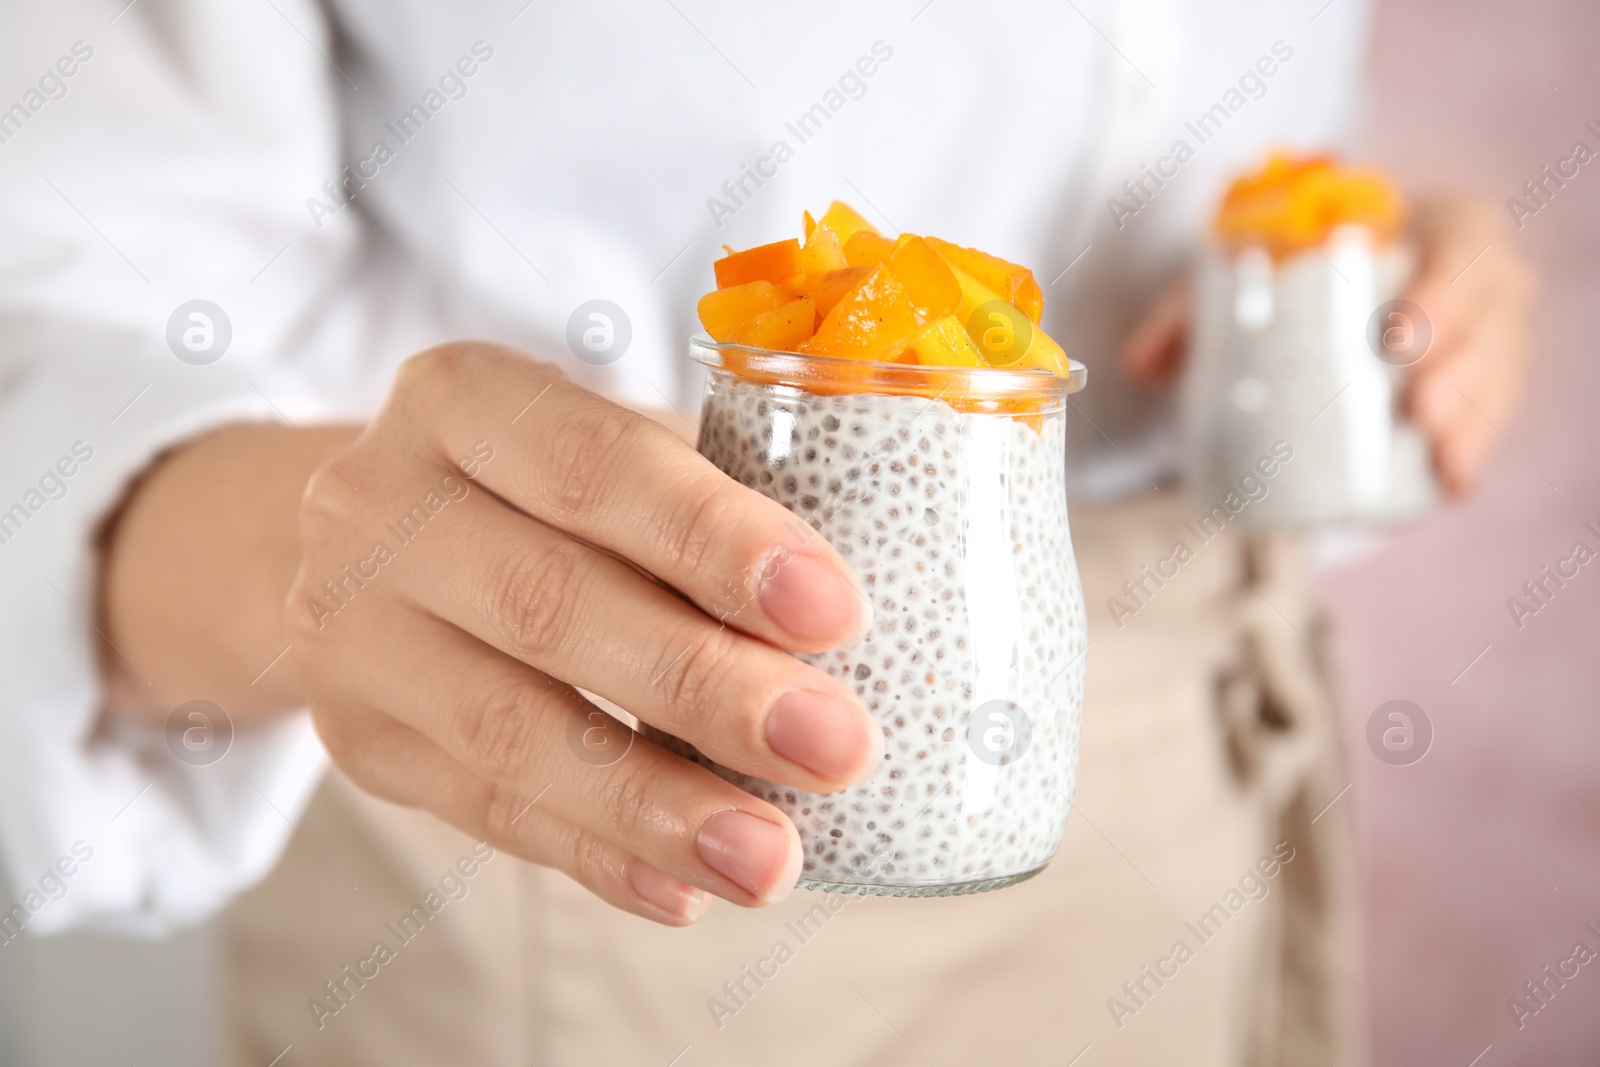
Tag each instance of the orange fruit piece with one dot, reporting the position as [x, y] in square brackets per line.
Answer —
[1014, 283]
[929, 282]
[845, 221]
[942, 343]
[781, 328]
[776, 262]
[1368, 197]
[723, 312]
[867, 248]
[870, 321]
[1291, 203]
[822, 252]
[1044, 354]
[1005, 336]
[848, 293]
[827, 289]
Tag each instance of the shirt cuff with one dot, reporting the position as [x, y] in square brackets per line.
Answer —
[102, 825]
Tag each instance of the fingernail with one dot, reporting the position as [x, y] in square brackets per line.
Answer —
[813, 601]
[677, 898]
[826, 736]
[759, 856]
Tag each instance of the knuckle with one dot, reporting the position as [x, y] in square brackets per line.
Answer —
[692, 530]
[591, 861]
[629, 802]
[428, 370]
[535, 600]
[585, 448]
[500, 735]
[545, 371]
[298, 615]
[434, 376]
[500, 815]
[432, 379]
[329, 507]
[700, 681]
[327, 503]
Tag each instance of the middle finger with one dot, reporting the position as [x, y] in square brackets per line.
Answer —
[587, 618]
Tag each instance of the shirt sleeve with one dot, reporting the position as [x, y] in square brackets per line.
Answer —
[157, 263]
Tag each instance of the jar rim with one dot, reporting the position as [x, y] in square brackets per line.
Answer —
[802, 369]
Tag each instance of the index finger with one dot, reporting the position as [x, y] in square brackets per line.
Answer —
[1455, 235]
[624, 483]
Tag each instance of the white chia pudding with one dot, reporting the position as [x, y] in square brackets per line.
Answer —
[1283, 352]
[955, 525]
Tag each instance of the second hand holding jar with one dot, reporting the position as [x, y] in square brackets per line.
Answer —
[940, 478]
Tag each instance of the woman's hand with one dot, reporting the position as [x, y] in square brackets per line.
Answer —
[1476, 291]
[494, 541]
[485, 549]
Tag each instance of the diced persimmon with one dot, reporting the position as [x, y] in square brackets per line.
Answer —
[856, 297]
[1289, 204]
[929, 282]
[1013, 282]
[1029, 298]
[943, 343]
[1004, 335]
[782, 328]
[827, 289]
[870, 321]
[1044, 354]
[845, 221]
[776, 263]
[974, 294]
[723, 312]
[822, 252]
[867, 248]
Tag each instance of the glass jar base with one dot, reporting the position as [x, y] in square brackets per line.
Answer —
[949, 889]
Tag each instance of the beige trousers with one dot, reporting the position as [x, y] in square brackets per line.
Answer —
[1200, 910]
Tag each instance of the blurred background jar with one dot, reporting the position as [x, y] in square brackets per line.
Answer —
[1291, 410]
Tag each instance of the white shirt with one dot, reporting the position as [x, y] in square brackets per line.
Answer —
[533, 157]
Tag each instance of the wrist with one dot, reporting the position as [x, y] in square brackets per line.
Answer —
[194, 568]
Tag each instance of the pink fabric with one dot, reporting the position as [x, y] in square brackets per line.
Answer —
[1461, 913]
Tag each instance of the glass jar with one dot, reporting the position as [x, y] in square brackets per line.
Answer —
[1291, 407]
[945, 491]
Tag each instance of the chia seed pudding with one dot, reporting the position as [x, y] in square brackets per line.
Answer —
[955, 524]
[1284, 352]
